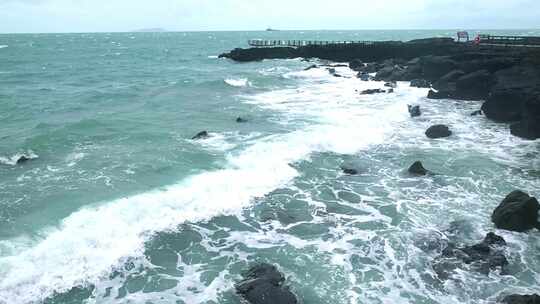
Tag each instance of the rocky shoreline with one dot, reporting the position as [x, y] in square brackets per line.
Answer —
[507, 80]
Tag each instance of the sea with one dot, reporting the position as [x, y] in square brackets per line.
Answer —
[118, 204]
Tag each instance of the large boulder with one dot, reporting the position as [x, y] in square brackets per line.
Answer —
[522, 299]
[475, 85]
[356, 65]
[434, 67]
[418, 169]
[513, 87]
[517, 212]
[438, 131]
[385, 73]
[263, 284]
[414, 111]
[448, 81]
[529, 126]
[504, 105]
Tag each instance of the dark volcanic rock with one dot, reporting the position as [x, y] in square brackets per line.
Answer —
[349, 171]
[504, 105]
[418, 169]
[474, 86]
[517, 212]
[257, 54]
[263, 284]
[385, 73]
[439, 95]
[241, 120]
[529, 126]
[513, 88]
[372, 91]
[201, 135]
[356, 65]
[476, 113]
[414, 111]
[448, 81]
[420, 83]
[23, 159]
[313, 66]
[333, 72]
[483, 257]
[434, 67]
[522, 299]
[363, 76]
[438, 131]
[392, 84]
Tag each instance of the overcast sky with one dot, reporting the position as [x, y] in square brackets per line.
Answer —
[124, 15]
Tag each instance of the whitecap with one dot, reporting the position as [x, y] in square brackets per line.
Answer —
[12, 160]
[3, 46]
[239, 82]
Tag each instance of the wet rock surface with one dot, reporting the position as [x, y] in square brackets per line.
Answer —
[417, 169]
[483, 257]
[522, 299]
[414, 111]
[517, 212]
[438, 131]
[201, 135]
[264, 284]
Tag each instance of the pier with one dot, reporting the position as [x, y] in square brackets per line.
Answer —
[300, 43]
[511, 41]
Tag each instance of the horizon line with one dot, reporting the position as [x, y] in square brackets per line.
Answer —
[159, 30]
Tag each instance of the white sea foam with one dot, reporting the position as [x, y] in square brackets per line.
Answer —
[12, 160]
[3, 46]
[86, 244]
[237, 82]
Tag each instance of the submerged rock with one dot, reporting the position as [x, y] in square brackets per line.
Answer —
[23, 159]
[201, 135]
[313, 66]
[482, 257]
[439, 95]
[263, 284]
[438, 131]
[349, 171]
[372, 91]
[418, 169]
[476, 113]
[517, 212]
[241, 120]
[522, 299]
[414, 111]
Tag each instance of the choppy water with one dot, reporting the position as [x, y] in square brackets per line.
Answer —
[120, 206]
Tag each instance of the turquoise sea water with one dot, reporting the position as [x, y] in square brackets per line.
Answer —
[119, 205]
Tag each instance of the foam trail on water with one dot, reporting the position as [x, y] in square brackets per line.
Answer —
[88, 243]
[3, 46]
[242, 82]
[12, 160]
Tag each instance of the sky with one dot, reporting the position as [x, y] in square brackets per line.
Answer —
[38, 16]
